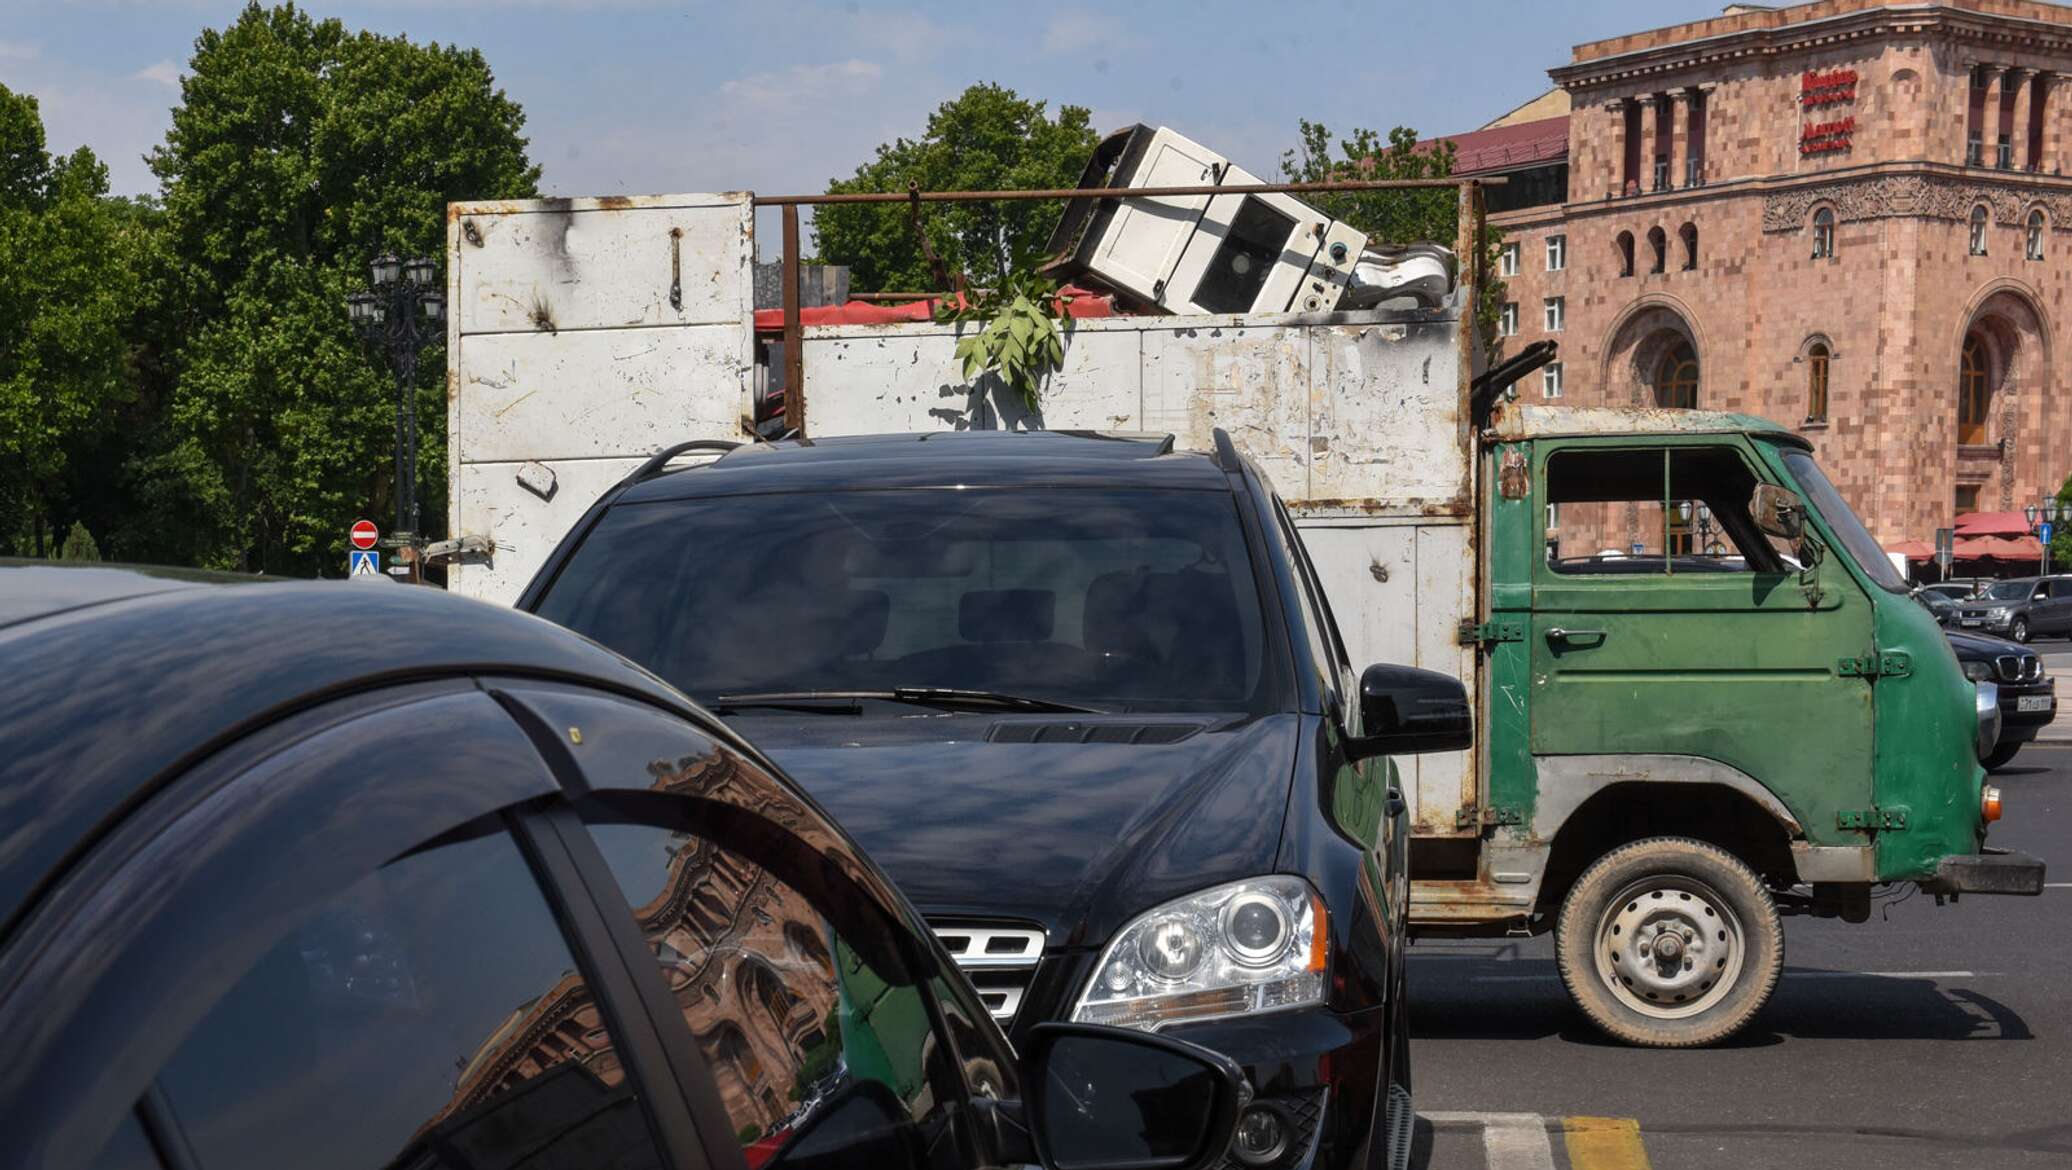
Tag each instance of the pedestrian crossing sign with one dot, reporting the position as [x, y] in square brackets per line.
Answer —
[363, 562]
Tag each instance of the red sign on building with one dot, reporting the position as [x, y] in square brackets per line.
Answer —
[1833, 88]
[1826, 137]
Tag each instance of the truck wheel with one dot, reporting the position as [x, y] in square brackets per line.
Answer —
[1669, 943]
[2002, 756]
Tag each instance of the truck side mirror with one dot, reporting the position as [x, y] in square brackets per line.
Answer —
[1114, 1099]
[1778, 512]
[1404, 710]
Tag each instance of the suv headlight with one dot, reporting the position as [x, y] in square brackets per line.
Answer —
[1257, 945]
[1978, 671]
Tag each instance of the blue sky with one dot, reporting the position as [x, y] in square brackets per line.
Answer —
[644, 96]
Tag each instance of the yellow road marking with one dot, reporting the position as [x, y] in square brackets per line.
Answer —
[1604, 1143]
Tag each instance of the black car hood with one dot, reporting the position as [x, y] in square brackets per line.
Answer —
[1981, 647]
[1078, 837]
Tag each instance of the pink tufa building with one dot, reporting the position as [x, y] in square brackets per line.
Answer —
[1847, 216]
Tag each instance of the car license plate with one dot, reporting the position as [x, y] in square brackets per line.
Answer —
[2032, 703]
[1970, 621]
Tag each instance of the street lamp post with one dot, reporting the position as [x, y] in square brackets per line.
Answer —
[403, 313]
[2049, 512]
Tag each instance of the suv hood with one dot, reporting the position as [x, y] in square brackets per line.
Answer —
[1075, 836]
[1972, 647]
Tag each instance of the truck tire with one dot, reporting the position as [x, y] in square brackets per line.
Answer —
[1669, 943]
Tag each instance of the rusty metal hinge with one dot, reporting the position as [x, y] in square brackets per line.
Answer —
[1483, 633]
[1889, 664]
[1892, 819]
[1472, 815]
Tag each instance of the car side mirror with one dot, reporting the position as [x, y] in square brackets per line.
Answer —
[1104, 1098]
[1404, 710]
[1777, 512]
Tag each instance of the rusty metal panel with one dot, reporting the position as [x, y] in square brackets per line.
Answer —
[583, 335]
[596, 393]
[550, 265]
[893, 378]
[1253, 381]
[1385, 418]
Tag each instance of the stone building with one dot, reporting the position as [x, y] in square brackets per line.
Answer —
[1847, 216]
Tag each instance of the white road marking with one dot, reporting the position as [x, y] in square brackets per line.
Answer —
[1510, 1141]
[2057, 885]
[1886, 974]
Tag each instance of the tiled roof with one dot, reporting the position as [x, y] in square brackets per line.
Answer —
[1506, 147]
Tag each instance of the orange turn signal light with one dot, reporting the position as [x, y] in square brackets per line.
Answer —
[1989, 803]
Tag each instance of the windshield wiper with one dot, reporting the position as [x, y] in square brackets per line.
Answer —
[849, 702]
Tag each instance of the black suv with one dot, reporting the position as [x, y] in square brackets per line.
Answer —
[342, 877]
[1083, 699]
[2028, 695]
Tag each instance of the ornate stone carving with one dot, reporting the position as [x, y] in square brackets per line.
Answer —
[1925, 196]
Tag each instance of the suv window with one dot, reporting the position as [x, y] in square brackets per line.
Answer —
[2061, 587]
[1135, 599]
[428, 1016]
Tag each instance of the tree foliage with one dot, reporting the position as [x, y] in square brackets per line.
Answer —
[299, 151]
[1394, 217]
[986, 139]
[68, 284]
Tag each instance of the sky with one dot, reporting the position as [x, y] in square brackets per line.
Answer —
[779, 96]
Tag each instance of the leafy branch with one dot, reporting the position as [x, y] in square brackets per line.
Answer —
[1023, 340]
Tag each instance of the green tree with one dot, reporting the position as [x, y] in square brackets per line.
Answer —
[2061, 535]
[79, 545]
[67, 294]
[1394, 217]
[987, 139]
[298, 152]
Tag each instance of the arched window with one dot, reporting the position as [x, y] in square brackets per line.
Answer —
[1973, 393]
[1676, 377]
[1689, 232]
[1978, 230]
[1816, 383]
[1824, 234]
[2033, 243]
[1658, 244]
[1625, 246]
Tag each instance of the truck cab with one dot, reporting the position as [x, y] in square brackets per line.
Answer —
[1708, 701]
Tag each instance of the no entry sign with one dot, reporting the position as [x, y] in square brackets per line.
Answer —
[364, 534]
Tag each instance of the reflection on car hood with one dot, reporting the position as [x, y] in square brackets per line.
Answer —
[1076, 836]
[1972, 647]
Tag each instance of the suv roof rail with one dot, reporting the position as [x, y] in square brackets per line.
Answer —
[653, 467]
[1164, 441]
[1226, 452]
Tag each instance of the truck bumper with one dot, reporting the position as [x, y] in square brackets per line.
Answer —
[1991, 872]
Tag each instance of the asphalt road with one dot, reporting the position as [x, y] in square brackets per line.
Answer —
[1927, 1037]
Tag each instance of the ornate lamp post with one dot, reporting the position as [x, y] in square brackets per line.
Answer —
[2047, 512]
[403, 314]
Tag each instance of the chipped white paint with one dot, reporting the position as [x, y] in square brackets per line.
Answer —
[584, 335]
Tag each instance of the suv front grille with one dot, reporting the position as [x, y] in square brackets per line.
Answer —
[999, 961]
[2020, 668]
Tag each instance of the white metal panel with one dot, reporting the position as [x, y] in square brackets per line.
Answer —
[596, 393]
[1251, 381]
[545, 265]
[1305, 231]
[879, 379]
[1328, 274]
[1145, 236]
[1386, 417]
[524, 526]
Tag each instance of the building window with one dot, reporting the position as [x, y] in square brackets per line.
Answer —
[1676, 377]
[1507, 260]
[1689, 234]
[1967, 499]
[1658, 248]
[2003, 154]
[1694, 140]
[1550, 380]
[1816, 383]
[1557, 253]
[1507, 320]
[1553, 306]
[1624, 243]
[1974, 151]
[1973, 394]
[2033, 245]
[1978, 230]
[1824, 234]
[1661, 172]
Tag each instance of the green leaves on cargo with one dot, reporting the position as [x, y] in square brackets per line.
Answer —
[1023, 338]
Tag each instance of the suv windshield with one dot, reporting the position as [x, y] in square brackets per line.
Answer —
[1125, 599]
[1862, 546]
[2011, 591]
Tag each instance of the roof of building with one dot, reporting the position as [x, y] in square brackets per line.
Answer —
[1552, 104]
[940, 459]
[1507, 147]
[118, 678]
[1738, 20]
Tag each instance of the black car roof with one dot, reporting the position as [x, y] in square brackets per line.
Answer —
[941, 459]
[116, 677]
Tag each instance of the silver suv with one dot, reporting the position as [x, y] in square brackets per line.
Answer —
[2021, 608]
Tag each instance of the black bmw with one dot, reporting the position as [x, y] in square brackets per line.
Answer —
[2028, 695]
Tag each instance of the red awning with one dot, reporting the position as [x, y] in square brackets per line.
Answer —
[1992, 524]
[1997, 549]
[1913, 550]
[1084, 304]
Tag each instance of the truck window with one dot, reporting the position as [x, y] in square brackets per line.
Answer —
[1653, 510]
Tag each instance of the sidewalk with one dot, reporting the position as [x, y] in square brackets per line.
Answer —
[2057, 659]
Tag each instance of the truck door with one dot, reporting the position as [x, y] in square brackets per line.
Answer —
[1668, 631]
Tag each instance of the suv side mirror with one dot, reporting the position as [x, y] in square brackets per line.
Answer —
[1404, 710]
[1777, 512]
[1114, 1099]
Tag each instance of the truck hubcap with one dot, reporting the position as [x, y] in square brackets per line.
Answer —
[1669, 947]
